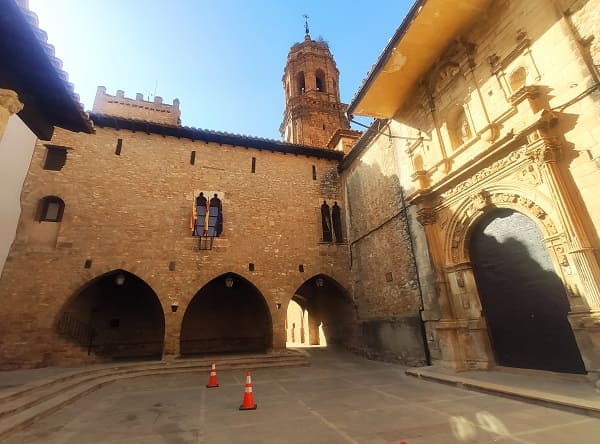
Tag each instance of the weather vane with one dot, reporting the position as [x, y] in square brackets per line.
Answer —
[305, 23]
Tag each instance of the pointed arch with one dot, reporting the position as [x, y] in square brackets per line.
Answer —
[227, 315]
[329, 306]
[115, 315]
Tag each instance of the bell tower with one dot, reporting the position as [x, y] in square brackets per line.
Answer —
[313, 111]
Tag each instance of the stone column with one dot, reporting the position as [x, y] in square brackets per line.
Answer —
[172, 347]
[9, 105]
[581, 252]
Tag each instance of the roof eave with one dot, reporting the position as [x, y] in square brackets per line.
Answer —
[388, 84]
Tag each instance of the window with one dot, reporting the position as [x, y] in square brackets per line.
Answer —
[314, 172]
[119, 146]
[301, 87]
[56, 157]
[51, 209]
[320, 81]
[193, 158]
[253, 167]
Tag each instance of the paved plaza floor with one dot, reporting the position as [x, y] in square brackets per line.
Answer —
[341, 398]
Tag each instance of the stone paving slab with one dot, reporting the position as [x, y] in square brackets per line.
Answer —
[341, 398]
[573, 393]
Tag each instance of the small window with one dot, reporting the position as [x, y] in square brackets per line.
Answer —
[193, 158]
[56, 157]
[300, 85]
[320, 81]
[314, 172]
[119, 146]
[253, 167]
[51, 209]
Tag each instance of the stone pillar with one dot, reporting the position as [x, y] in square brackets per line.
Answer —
[9, 105]
[581, 252]
[172, 347]
[313, 328]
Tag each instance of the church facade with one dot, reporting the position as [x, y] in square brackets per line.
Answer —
[494, 127]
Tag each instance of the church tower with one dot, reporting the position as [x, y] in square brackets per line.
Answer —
[313, 111]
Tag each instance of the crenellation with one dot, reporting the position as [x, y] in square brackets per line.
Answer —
[139, 109]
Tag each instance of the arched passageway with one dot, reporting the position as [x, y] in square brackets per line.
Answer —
[523, 299]
[326, 311]
[116, 315]
[228, 315]
[297, 326]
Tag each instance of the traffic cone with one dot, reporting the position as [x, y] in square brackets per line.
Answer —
[212, 381]
[248, 402]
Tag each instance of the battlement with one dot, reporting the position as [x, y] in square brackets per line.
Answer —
[138, 108]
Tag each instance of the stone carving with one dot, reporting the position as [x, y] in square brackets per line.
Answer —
[426, 216]
[513, 157]
[481, 200]
[530, 174]
[446, 74]
[444, 217]
[460, 279]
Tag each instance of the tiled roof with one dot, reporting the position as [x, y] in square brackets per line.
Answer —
[104, 120]
[30, 67]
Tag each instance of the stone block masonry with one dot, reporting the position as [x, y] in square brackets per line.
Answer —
[138, 108]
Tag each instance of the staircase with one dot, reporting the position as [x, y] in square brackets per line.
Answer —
[21, 406]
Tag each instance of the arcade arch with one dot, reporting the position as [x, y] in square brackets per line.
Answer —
[116, 315]
[227, 315]
[326, 310]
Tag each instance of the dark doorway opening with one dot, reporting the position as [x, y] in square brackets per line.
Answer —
[116, 315]
[228, 315]
[524, 301]
[325, 312]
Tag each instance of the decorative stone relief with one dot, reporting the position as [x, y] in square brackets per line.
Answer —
[513, 157]
[530, 175]
[481, 200]
[426, 216]
[445, 75]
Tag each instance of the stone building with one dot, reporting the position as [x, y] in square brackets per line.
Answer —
[491, 117]
[465, 232]
[112, 258]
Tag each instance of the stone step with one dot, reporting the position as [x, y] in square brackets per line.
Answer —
[44, 397]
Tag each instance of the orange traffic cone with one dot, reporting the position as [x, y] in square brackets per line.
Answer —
[248, 402]
[212, 381]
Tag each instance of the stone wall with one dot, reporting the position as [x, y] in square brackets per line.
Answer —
[385, 282]
[132, 212]
[138, 108]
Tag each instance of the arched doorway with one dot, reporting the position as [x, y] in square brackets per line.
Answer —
[227, 315]
[523, 299]
[116, 315]
[329, 310]
[297, 325]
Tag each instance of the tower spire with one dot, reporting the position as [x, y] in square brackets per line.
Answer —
[306, 17]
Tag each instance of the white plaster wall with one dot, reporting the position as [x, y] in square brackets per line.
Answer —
[16, 148]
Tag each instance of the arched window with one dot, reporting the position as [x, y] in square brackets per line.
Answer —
[50, 209]
[300, 85]
[320, 81]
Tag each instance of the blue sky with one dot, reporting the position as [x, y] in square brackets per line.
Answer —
[223, 59]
